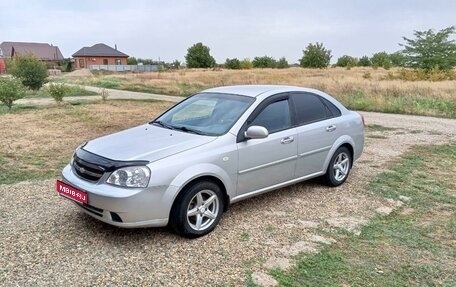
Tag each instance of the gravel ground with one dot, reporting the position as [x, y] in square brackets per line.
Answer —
[45, 240]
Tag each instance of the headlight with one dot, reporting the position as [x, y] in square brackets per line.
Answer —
[130, 176]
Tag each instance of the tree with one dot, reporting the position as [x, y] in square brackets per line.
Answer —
[176, 64]
[11, 89]
[31, 71]
[198, 56]
[431, 50]
[346, 61]
[397, 59]
[315, 56]
[264, 62]
[234, 63]
[145, 61]
[132, 61]
[381, 59]
[282, 63]
[364, 61]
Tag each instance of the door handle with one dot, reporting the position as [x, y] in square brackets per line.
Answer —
[287, 140]
[331, 128]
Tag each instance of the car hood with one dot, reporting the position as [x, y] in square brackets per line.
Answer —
[145, 142]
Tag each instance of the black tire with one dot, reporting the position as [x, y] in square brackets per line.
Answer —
[187, 201]
[333, 176]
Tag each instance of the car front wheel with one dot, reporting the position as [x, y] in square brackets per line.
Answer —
[339, 167]
[197, 209]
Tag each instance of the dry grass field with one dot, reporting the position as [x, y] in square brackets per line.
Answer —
[37, 143]
[365, 89]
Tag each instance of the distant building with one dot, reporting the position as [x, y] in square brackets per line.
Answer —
[98, 54]
[43, 51]
[2, 62]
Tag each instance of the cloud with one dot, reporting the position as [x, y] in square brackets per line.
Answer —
[165, 29]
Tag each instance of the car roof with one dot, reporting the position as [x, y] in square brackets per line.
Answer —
[253, 90]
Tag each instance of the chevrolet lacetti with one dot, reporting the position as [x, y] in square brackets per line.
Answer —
[214, 148]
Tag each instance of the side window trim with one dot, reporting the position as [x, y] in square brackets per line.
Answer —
[325, 102]
[261, 107]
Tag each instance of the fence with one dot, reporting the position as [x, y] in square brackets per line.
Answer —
[124, 68]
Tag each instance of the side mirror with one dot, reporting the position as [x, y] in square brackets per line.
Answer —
[256, 132]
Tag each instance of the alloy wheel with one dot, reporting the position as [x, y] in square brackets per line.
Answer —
[203, 209]
[341, 166]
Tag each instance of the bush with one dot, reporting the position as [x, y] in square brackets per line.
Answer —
[234, 64]
[364, 61]
[381, 59]
[31, 71]
[246, 64]
[315, 56]
[65, 65]
[367, 76]
[11, 89]
[282, 63]
[264, 62]
[198, 56]
[104, 95]
[422, 75]
[57, 92]
[346, 61]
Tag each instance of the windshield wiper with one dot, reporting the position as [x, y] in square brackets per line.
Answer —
[190, 130]
[163, 124]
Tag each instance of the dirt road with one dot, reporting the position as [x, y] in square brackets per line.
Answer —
[112, 95]
[45, 240]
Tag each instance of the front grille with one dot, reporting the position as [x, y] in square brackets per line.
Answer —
[87, 170]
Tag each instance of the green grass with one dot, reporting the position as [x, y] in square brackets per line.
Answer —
[25, 168]
[107, 82]
[72, 91]
[17, 108]
[245, 236]
[379, 128]
[400, 104]
[402, 249]
[376, 137]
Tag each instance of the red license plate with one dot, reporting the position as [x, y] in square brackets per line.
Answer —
[70, 192]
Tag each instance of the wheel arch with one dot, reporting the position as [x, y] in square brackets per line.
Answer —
[344, 141]
[350, 149]
[204, 177]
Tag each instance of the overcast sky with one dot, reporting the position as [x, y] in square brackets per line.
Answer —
[231, 28]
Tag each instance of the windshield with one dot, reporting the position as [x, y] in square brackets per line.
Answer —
[205, 113]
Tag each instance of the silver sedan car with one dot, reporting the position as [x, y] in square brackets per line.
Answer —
[214, 148]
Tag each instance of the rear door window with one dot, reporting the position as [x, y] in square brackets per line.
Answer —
[309, 108]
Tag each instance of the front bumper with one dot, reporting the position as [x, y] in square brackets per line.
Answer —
[124, 207]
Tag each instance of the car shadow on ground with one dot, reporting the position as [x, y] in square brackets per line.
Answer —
[235, 213]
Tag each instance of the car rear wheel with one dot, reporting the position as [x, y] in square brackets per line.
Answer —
[339, 167]
[197, 210]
